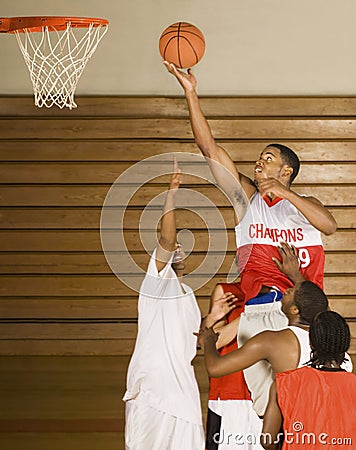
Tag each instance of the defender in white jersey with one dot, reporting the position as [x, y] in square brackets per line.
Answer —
[275, 170]
[162, 397]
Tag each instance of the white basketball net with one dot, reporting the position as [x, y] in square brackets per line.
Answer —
[56, 60]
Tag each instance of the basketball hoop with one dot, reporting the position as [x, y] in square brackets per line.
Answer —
[56, 51]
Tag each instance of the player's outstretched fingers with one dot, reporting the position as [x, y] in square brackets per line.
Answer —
[287, 249]
[229, 299]
[278, 263]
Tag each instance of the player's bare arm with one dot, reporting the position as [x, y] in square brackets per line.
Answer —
[227, 333]
[279, 348]
[311, 208]
[168, 236]
[219, 309]
[207, 322]
[216, 365]
[203, 135]
[216, 317]
[272, 421]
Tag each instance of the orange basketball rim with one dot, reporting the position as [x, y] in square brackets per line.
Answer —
[56, 50]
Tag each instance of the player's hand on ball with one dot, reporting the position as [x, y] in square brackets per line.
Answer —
[186, 79]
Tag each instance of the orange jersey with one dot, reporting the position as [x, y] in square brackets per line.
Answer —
[318, 408]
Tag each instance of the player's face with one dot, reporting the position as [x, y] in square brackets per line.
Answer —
[268, 165]
[288, 299]
[178, 263]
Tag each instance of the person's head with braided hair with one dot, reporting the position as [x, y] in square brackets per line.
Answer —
[329, 336]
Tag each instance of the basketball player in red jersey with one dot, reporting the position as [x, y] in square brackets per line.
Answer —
[316, 403]
[230, 410]
[275, 213]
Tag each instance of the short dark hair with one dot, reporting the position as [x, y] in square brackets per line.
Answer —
[329, 338]
[310, 300]
[289, 158]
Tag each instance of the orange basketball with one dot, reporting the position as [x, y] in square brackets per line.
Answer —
[182, 44]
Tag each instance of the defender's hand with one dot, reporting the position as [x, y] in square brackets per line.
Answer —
[222, 306]
[207, 336]
[290, 264]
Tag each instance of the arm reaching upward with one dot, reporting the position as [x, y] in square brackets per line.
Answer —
[168, 237]
[235, 185]
[221, 304]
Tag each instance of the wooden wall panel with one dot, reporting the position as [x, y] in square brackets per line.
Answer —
[89, 240]
[89, 195]
[94, 263]
[89, 218]
[57, 292]
[177, 128]
[84, 173]
[125, 150]
[143, 106]
[109, 285]
[114, 307]
[102, 347]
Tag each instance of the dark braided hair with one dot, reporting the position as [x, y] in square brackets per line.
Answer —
[329, 338]
[288, 157]
[310, 300]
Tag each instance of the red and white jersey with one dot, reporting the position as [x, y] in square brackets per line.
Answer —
[266, 224]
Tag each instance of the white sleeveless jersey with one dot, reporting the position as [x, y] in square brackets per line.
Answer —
[303, 339]
[160, 372]
[305, 349]
[266, 224]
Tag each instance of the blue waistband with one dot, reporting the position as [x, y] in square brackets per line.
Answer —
[270, 297]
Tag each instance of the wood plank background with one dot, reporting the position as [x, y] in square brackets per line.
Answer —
[58, 295]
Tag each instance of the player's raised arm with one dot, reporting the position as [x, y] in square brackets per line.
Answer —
[221, 304]
[203, 135]
[168, 235]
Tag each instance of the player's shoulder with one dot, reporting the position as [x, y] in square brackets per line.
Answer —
[270, 337]
[274, 336]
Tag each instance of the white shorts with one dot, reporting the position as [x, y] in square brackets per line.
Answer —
[259, 377]
[240, 426]
[149, 429]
